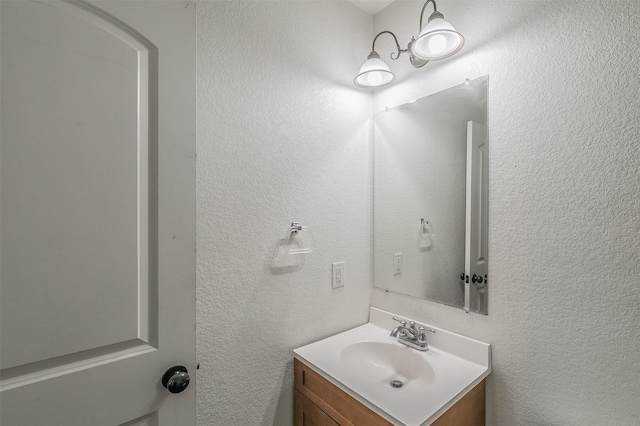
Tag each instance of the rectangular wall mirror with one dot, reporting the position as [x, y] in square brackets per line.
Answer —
[430, 197]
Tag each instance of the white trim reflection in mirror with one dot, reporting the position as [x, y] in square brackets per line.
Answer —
[430, 198]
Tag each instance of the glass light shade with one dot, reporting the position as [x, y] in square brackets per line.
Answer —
[374, 73]
[437, 40]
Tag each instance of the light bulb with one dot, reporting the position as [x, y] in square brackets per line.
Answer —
[374, 78]
[437, 44]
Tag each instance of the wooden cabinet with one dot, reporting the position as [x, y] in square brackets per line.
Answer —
[319, 402]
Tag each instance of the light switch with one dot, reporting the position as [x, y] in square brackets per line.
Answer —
[397, 264]
[337, 274]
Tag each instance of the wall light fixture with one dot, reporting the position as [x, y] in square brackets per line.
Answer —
[436, 40]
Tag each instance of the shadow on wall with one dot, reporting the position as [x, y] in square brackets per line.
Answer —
[282, 400]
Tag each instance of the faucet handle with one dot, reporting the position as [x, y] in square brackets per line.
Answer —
[402, 322]
[422, 334]
[422, 338]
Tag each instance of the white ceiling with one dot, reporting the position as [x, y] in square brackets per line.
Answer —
[371, 6]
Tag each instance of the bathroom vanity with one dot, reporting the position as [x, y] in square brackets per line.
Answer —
[363, 376]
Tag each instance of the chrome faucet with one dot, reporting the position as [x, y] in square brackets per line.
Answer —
[410, 336]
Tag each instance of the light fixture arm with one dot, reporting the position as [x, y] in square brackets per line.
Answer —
[435, 9]
[373, 47]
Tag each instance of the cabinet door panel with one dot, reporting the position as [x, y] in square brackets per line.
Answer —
[308, 414]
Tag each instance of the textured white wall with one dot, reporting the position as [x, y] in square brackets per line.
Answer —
[283, 135]
[564, 219]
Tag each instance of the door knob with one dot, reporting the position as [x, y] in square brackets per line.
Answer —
[176, 379]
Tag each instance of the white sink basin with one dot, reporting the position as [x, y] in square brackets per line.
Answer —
[381, 363]
[364, 361]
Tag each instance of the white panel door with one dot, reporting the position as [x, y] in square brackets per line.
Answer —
[97, 202]
[476, 245]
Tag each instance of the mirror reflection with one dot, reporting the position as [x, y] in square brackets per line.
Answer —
[430, 197]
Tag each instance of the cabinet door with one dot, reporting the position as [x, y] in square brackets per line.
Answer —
[308, 414]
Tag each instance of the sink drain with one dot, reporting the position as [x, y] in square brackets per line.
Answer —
[396, 384]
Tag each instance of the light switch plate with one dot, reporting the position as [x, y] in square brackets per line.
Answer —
[337, 274]
[397, 264]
